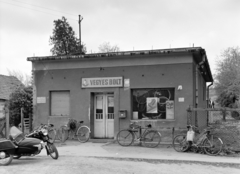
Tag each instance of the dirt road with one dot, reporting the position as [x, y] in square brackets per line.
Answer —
[90, 165]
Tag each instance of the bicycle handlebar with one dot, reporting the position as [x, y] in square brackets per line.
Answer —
[192, 126]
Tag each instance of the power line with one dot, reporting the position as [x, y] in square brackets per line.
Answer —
[44, 7]
[34, 9]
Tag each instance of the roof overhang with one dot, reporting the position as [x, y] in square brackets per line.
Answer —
[198, 53]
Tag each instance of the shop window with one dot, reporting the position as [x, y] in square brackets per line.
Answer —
[153, 103]
[60, 103]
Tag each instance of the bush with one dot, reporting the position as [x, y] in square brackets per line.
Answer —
[21, 98]
[235, 115]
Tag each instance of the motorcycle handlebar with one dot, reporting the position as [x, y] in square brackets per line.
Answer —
[32, 133]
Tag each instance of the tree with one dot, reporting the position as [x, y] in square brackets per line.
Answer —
[106, 48]
[228, 77]
[21, 98]
[64, 40]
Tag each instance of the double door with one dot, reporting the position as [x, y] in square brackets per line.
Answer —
[104, 116]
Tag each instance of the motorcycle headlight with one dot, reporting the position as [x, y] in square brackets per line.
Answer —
[2, 155]
[45, 131]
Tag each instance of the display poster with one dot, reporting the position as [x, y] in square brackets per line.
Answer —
[152, 105]
[170, 109]
[135, 115]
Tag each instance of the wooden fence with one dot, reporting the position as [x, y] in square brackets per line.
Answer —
[192, 110]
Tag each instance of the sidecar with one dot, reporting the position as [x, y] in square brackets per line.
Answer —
[7, 149]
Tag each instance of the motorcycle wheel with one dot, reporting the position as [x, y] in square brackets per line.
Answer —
[7, 160]
[53, 152]
[16, 156]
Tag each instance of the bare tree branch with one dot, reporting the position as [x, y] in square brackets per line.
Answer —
[24, 78]
[106, 47]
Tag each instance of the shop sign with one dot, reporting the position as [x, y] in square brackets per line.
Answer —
[102, 82]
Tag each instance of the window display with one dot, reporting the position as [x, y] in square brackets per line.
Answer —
[153, 103]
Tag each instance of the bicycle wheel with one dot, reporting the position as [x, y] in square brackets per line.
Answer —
[63, 133]
[151, 139]
[180, 143]
[52, 135]
[125, 138]
[58, 134]
[212, 145]
[83, 134]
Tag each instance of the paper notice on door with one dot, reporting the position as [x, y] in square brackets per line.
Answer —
[152, 105]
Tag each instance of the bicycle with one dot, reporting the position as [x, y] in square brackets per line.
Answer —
[206, 141]
[82, 132]
[150, 137]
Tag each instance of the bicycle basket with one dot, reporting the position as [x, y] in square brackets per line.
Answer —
[72, 124]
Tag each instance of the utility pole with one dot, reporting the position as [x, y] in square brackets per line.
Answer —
[79, 22]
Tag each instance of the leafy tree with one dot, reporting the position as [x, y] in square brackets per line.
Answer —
[106, 47]
[64, 40]
[21, 98]
[228, 77]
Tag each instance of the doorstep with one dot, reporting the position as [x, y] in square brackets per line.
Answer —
[102, 140]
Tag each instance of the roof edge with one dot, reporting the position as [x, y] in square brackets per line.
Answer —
[111, 54]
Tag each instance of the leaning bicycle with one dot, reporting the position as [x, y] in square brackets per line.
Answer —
[149, 138]
[205, 141]
[74, 130]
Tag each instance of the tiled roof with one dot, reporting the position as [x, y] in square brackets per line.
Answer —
[8, 84]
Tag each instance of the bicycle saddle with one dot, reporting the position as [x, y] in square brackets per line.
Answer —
[51, 125]
[149, 126]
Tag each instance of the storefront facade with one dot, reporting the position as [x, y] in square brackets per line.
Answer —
[108, 91]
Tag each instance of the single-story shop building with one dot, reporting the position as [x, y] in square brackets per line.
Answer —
[109, 90]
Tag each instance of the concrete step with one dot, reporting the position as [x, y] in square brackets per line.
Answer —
[99, 140]
[114, 141]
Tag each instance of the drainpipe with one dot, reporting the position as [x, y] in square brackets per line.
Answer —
[208, 92]
[208, 102]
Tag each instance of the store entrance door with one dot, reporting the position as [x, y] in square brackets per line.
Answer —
[104, 116]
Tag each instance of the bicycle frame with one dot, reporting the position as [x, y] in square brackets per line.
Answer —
[204, 143]
[139, 135]
[203, 137]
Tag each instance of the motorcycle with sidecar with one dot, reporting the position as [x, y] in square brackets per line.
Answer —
[19, 145]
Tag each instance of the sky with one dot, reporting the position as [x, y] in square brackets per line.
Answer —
[26, 26]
